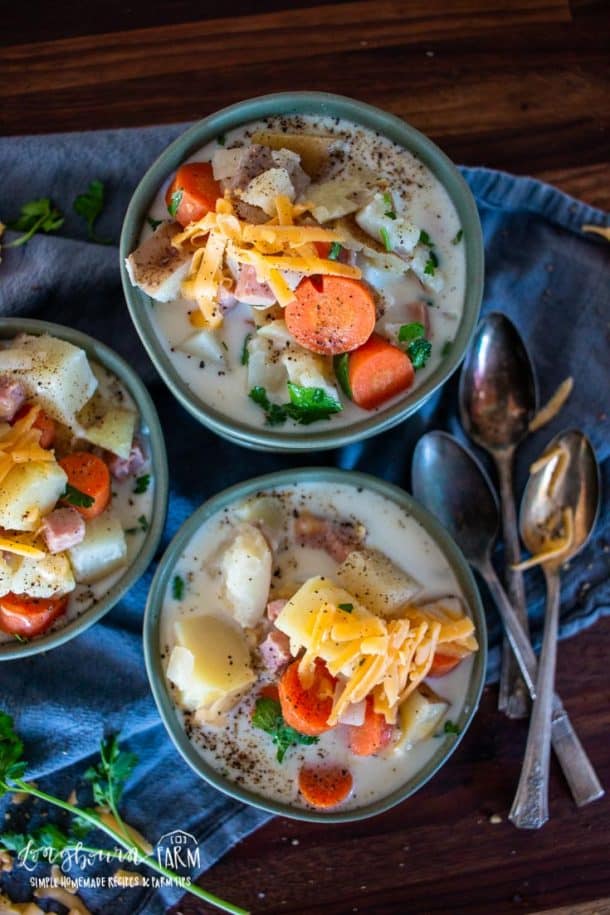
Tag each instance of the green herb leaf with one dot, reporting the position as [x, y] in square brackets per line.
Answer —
[409, 332]
[107, 778]
[385, 238]
[12, 765]
[457, 237]
[450, 727]
[431, 264]
[36, 216]
[268, 717]
[341, 367]
[446, 348]
[419, 352]
[335, 251]
[307, 405]
[142, 484]
[275, 414]
[387, 199]
[174, 202]
[245, 352]
[19, 638]
[143, 522]
[424, 239]
[178, 587]
[221, 139]
[89, 205]
[153, 223]
[346, 607]
[74, 496]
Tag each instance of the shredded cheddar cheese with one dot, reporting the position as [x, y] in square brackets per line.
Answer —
[550, 410]
[555, 547]
[20, 443]
[21, 545]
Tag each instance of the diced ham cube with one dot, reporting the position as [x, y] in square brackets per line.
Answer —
[274, 608]
[337, 539]
[250, 291]
[419, 311]
[275, 651]
[63, 529]
[157, 267]
[121, 468]
[236, 168]
[12, 397]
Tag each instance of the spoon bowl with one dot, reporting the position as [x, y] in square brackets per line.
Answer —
[569, 479]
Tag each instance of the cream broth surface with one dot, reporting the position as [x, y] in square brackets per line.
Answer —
[237, 750]
[417, 194]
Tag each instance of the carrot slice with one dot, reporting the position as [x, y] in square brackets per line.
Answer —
[325, 786]
[43, 423]
[90, 475]
[331, 314]
[378, 371]
[307, 710]
[372, 735]
[442, 664]
[29, 616]
[192, 193]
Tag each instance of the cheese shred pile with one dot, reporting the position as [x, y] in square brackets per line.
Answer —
[20, 443]
[273, 249]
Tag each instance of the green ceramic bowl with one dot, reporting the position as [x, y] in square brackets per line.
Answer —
[316, 103]
[151, 429]
[152, 646]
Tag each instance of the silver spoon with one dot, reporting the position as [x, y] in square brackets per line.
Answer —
[453, 486]
[497, 401]
[571, 482]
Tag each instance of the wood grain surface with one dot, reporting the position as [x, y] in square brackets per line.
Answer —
[521, 85]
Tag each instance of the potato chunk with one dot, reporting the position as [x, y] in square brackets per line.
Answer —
[103, 550]
[246, 566]
[377, 582]
[54, 372]
[48, 577]
[29, 491]
[107, 425]
[210, 665]
[419, 715]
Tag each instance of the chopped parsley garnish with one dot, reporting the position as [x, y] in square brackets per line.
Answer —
[221, 139]
[385, 238]
[307, 405]
[457, 237]
[153, 223]
[268, 717]
[19, 638]
[446, 347]
[450, 727]
[424, 239]
[409, 332]
[142, 484]
[89, 205]
[245, 352]
[224, 346]
[431, 264]
[341, 367]
[174, 202]
[347, 608]
[177, 587]
[142, 526]
[335, 251]
[75, 497]
[387, 199]
[36, 216]
[419, 352]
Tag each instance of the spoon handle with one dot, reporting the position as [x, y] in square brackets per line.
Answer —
[512, 697]
[576, 765]
[530, 808]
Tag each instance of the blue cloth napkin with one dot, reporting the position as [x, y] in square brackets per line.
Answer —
[541, 271]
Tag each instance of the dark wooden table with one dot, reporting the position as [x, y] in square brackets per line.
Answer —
[525, 89]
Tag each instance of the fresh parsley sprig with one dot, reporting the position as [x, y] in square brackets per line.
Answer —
[268, 717]
[89, 205]
[419, 349]
[142, 484]
[307, 405]
[107, 779]
[75, 497]
[174, 202]
[36, 216]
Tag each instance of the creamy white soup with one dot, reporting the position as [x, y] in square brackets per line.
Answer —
[317, 645]
[76, 484]
[369, 300]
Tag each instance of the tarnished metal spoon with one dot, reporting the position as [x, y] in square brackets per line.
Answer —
[449, 481]
[569, 480]
[497, 401]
